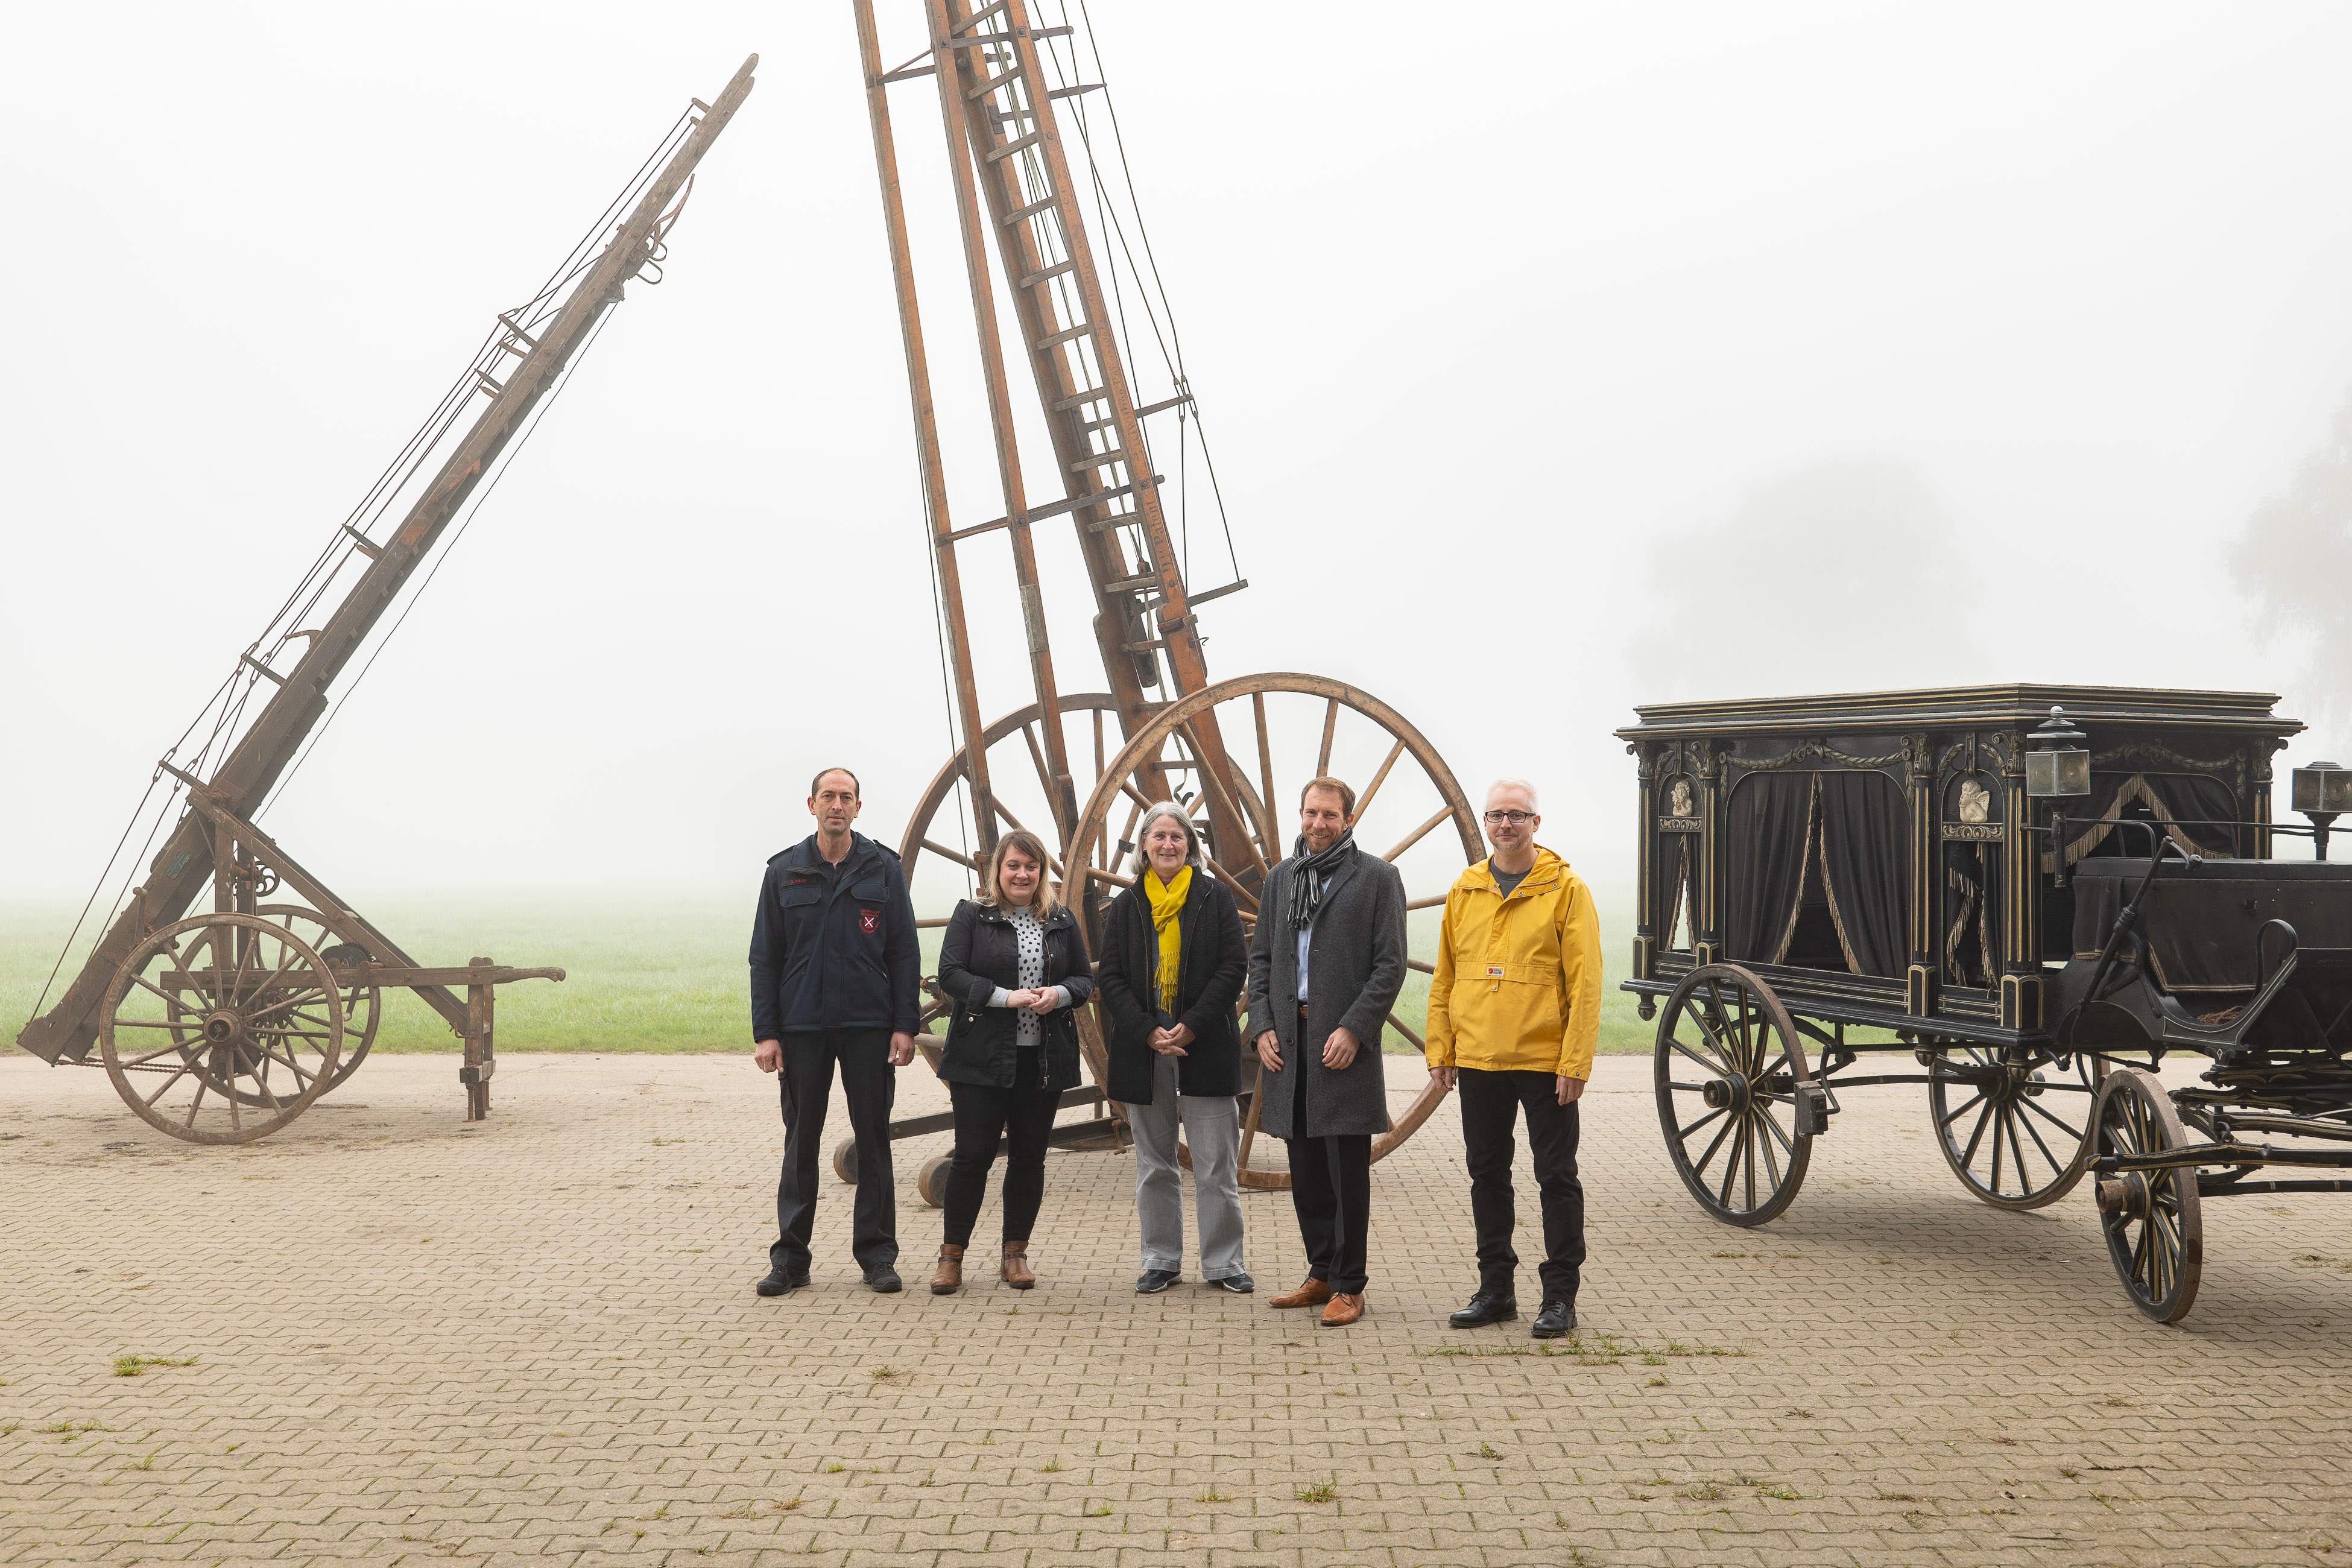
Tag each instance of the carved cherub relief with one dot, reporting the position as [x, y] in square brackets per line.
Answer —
[1976, 802]
[1678, 799]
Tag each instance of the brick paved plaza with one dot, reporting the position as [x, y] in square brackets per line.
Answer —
[536, 1338]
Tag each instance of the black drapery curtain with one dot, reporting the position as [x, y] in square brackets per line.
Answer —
[1864, 830]
[1768, 839]
[2169, 798]
[1845, 835]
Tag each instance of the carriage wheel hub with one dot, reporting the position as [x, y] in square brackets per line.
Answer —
[223, 1026]
[1722, 1093]
[2124, 1197]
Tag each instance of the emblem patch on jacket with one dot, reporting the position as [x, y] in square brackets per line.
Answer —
[1494, 971]
[869, 920]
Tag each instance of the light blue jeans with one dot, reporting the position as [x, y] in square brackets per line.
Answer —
[1211, 1124]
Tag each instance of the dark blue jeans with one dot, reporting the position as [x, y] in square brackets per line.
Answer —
[869, 1083]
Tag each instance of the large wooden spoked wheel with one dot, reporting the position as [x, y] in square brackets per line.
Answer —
[2013, 1127]
[1728, 1061]
[221, 1028]
[2155, 1234]
[1018, 781]
[1022, 791]
[343, 946]
[1276, 731]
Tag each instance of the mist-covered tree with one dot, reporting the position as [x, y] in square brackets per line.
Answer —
[1845, 576]
[2293, 562]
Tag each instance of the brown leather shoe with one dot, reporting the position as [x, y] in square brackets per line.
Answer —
[1311, 1292]
[1344, 1308]
[1014, 1269]
[949, 1279]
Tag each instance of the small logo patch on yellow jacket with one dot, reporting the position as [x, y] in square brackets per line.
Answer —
[1494, 971]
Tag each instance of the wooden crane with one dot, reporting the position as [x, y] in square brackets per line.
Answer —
[1088, 763]
[223, 1026]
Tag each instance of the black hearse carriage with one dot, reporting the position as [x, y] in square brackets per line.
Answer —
[1823, 877]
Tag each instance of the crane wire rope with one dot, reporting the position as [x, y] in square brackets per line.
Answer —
[958, 790]
[1172, 346]
[474, 509]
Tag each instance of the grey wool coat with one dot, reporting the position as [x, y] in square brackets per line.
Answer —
[1356, 966]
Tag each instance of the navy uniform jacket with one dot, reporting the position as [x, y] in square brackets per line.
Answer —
[833, 947]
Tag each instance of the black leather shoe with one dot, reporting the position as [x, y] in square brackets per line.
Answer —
[1486, 1307]
[776, 1282]
[883, 1279]
[1153, 1282]
[1239, 1284]
[1556, 1318]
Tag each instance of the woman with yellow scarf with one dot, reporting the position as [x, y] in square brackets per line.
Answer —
[1172, 964]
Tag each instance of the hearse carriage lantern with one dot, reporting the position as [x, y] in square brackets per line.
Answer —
[2036, 893]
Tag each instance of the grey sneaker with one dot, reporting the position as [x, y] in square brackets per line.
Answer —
[1239, 1284]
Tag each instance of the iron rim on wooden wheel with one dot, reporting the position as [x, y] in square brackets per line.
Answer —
[343, 946]
[1728, 1064]
[241, 1000]
[1171, 748]
[923, 835]
[2151, 1218]
[2018, 1137]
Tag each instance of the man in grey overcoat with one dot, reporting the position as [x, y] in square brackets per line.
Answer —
[1325, 964]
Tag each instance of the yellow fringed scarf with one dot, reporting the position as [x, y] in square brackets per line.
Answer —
[1167, 903]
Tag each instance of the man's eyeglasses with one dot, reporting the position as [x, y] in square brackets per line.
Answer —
[1515, 818]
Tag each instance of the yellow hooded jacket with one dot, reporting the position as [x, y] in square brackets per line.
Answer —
[1517, 986]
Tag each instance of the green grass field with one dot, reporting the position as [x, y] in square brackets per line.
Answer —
[646, 973]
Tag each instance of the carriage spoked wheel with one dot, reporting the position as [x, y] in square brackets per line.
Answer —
[1728, 1061]
[1275, 731]
[2155, 1234]
[221, 1028]
[2014, 1127]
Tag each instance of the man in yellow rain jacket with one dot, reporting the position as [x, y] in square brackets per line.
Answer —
[1513, 1014]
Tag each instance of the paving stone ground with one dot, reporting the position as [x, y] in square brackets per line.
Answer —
[535, 1339]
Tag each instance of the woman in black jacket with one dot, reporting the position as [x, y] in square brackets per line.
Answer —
[1014, 967]
[1172, 964]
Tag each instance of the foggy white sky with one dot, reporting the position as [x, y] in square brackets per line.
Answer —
[1478, 311]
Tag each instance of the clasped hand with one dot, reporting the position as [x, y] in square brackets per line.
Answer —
[1339, 1049]
[1171, 1042]
[1040, 1000]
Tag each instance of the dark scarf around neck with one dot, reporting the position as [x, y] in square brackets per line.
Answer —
[1306, 877]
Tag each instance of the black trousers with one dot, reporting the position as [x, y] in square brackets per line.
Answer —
[869, 1083]
[1331, 1193]
[1024, 1117]
[1491, 1103]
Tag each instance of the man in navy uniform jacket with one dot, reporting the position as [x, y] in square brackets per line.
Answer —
[836, 981]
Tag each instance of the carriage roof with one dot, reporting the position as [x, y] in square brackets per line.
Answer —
[2097, 709]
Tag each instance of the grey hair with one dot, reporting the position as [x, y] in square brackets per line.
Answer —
[1194, 853]
[1517, 784]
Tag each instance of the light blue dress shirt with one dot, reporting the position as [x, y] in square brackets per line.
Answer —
[1307, 935]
